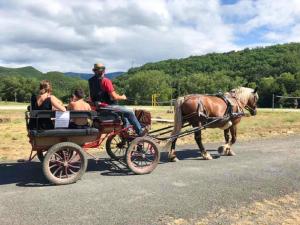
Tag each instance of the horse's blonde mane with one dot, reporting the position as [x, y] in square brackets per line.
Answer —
[243, 94]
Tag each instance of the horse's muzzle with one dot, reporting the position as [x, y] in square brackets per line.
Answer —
[253, 112]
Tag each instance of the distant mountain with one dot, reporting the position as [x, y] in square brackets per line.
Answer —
[86, 76]
[27, 71]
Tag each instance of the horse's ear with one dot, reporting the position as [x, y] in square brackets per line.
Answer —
[255, 90]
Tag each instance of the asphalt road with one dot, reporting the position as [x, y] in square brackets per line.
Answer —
[187, 189]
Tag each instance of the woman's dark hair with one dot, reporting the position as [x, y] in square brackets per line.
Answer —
[45, 87]
[79, 93]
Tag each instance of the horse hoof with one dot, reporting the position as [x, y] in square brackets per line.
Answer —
[221, 150]
[231, 153]
[207, 156]
[175, 159]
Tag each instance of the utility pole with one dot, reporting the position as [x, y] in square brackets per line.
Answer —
[15, 96]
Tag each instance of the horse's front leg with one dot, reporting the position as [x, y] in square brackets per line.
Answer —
[229, 151]
[198, 140]
[223, 149]
[172, 155]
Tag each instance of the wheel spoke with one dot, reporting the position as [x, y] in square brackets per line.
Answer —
[73, 172]
[57, 155]
[66, 171]
[58, 169]
[64, 155]
[76, 167]
[73, 157]
[53, 165]
[148, 160]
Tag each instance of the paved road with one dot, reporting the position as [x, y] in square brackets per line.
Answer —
[187, 189]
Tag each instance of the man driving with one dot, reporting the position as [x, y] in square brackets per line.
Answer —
[102, 90]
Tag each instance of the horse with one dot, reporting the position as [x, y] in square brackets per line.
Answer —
[226, 109]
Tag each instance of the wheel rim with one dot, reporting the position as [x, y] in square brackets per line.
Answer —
[143, 155]
[118, 146]
[65, 163]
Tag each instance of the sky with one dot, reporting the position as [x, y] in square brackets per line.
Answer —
[64, 35]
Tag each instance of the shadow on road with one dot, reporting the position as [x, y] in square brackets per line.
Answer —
[30, 174]
[188, 154]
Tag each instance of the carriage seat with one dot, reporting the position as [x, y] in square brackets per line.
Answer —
[63, 132]
[36, 118]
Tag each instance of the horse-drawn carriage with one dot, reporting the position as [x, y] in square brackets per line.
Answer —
[63, 151]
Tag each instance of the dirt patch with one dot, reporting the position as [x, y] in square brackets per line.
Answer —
[283, 210]
[5, 120]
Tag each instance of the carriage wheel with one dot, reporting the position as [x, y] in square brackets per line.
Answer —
[64, 163]
[142, 155]
[116, 146]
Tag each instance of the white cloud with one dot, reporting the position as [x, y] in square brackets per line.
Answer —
[272, 21]
[72, 35]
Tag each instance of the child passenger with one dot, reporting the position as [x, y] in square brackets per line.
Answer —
[77, 103]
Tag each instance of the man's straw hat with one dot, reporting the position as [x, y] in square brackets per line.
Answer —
[99, 66]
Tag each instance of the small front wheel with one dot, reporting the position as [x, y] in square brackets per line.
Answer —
[143, 155]
[64, 163]
[116, 146]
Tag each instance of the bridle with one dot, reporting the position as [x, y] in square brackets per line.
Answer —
[252, 110]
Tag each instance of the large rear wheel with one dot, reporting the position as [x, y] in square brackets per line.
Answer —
[143, 155]
[64, 163]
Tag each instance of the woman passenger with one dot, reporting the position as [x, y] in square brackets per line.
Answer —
[46, 101]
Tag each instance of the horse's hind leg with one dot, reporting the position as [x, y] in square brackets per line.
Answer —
[172, 155]
[198, 140]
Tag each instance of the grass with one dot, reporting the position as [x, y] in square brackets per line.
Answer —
[4, 103]
[14, 142]
[283, 210]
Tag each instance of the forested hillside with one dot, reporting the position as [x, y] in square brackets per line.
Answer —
[274, 69]
[19, 84]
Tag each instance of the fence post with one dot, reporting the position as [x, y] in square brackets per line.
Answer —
[273, 102]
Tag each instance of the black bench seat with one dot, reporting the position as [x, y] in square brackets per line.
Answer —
[63, 132]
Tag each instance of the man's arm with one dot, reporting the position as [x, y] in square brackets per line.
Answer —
[116, 96]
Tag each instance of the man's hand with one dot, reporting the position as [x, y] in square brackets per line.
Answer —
[123, 97]
[117, 97]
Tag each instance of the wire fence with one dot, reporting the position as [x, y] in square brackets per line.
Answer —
[285, 101]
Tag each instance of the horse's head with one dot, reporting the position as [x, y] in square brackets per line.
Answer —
[248, 97]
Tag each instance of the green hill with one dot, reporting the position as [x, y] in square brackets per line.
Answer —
[274, 69]
[251, 64]
[27, 71]
[21, 83]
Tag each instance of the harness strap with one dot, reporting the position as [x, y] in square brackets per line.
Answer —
[229, 109]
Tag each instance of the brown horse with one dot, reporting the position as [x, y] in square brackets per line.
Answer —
[198, 110]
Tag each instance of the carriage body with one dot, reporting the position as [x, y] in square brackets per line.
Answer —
[63, 151]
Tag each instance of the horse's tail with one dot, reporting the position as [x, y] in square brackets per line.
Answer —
[177, 120]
